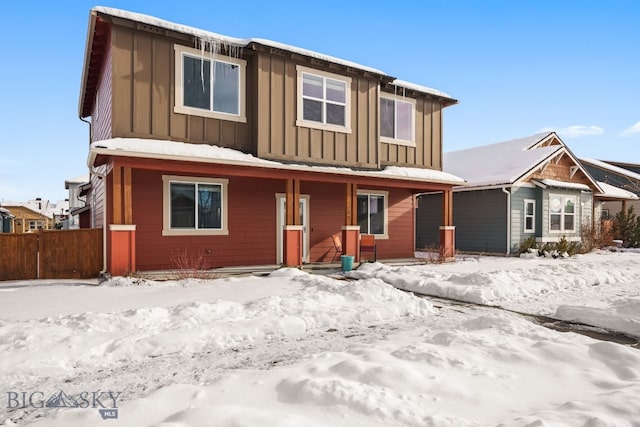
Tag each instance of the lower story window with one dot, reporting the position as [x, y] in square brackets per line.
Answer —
[372, 212]
[562, 213]
[194, 206]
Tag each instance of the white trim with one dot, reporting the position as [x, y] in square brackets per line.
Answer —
[166, 206]
[398, 141]
[300, 121]
[555, 239]
[122, 227]
[350, 228]
[180, 108]
[533, 217]
[447, 227]
[306, 237]
[385, 194]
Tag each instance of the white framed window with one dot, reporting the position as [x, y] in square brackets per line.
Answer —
[397, 120]
[209, 85]
[562, 213]
[36, 225]
[373, 212]
[194, 206]
[323, 100]
[529, 216]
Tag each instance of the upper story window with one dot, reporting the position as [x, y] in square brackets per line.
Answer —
[194, 206]
[562, 215]
[209, 86]
[397, 120]
[323, 100]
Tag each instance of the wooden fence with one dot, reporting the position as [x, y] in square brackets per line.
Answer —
[51, 254]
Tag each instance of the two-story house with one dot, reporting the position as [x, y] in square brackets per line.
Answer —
[250, 151]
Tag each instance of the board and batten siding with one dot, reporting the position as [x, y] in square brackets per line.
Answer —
[143, 77]
[428, 139]
[278, 136]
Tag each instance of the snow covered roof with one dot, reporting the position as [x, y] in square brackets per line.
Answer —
[609, 167]
[506, 163]
[172, 150]
[6, 212]
[77, 180]
[613, 192]
[500, 163]
[208, 36]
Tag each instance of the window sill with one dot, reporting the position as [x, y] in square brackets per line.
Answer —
[176, 232]
[322, 126]
[209, 114]
[393, 141]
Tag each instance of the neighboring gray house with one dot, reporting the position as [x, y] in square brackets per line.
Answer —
[6, 218]
[624, 176]
[77, 205]
[516, 189]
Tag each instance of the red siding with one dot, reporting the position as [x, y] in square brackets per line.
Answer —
[252, 223]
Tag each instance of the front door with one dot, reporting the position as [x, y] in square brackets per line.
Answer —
[281, 222]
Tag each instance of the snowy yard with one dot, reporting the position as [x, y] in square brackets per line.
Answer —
[298, 349]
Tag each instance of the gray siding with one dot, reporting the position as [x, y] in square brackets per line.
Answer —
[428, 221]
[518, 196]
[583, 212]
[480, 218]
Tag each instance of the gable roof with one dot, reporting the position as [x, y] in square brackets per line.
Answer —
[508, 162]
[97, 38]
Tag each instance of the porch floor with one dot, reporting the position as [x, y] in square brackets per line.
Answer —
[325, 268]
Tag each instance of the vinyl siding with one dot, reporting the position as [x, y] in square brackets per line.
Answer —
[518, 196]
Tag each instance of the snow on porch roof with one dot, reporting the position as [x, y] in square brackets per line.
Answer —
[613, 192]
[181, 151]
[208, 35]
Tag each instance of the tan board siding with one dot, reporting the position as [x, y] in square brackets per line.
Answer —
[143, 96]
[278, 136]
[428, 138]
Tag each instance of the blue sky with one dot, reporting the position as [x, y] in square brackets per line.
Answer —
[517, 68]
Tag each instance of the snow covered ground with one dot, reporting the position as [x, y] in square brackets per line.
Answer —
[295, 348]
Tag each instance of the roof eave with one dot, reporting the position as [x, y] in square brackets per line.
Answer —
[85, 67]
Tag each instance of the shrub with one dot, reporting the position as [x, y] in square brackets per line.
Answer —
[192, 265]
[626, 227]
[529, 243]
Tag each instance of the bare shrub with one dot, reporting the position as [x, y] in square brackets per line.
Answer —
[596, 237]
[193, 264]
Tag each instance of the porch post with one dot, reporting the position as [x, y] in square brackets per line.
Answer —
[351, 229]
[292, 230]
[447, 229]
[122, 232]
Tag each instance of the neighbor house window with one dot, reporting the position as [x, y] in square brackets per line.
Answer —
[562, 213]
[529, 216]
[397, 124]
[209, 86]
[36, 225]
[194, 206]
[372, 212]
[323, 100]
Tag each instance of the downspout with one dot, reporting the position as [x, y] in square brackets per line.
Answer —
[103, 177]
[508, 193]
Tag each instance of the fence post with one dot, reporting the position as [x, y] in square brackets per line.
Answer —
[39, 251]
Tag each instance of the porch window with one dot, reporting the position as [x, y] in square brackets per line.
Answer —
[372, 212]
[194, 206]
[36, 225]
[323, 100]
[561, 213]
[397, 124]
[529, 216]
[209, 87]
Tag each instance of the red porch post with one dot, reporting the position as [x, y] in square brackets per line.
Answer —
[122, 233]
[447, 229]
[351, 229]
[292, 230]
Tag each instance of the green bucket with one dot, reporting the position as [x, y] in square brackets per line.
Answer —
[347, 262]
